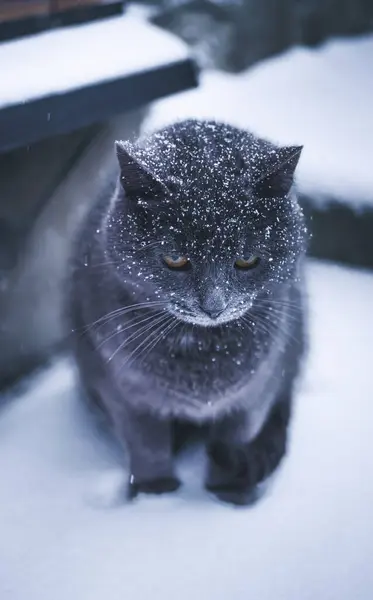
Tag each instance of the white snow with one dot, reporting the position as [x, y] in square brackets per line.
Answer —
[65, 535]
[79, 56]
[320, 98]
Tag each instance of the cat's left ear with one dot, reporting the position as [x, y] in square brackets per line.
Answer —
[136, 179]
[279, 175]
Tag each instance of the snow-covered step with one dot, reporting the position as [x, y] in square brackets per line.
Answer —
[61, 80]
[321, 98]
[64, 535]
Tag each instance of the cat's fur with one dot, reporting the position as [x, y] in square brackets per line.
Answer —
[210, 344]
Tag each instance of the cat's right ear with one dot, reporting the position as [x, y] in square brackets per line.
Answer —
[279, 172]
[136, 179]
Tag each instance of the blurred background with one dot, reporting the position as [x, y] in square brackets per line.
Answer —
[76, 75]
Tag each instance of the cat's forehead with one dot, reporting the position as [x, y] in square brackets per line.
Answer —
[222, 226]
[199, 153]
[210, 169]
[204, 232]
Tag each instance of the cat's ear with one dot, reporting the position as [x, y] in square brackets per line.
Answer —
[279, 174]
[136, 179]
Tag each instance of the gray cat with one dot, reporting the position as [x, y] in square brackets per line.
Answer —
[187, 303]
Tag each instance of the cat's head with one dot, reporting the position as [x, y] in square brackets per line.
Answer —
[206, 220]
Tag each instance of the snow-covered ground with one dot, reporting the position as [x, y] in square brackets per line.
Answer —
[64, 534]
[320, 98]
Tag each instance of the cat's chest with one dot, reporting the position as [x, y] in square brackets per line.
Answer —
[196, 382]
[201, 392]
[204, 372]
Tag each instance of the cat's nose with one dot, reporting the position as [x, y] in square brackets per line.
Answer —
[213, 303]
[213, 313]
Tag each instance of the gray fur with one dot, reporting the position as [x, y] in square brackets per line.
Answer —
[213, 193]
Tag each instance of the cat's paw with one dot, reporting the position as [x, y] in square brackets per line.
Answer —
[164, 485]
[237, 494]
[234, 474]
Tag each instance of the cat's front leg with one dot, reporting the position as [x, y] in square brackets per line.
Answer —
[147, 439]
[237, 467]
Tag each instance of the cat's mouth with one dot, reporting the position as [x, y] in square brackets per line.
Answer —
[204, 319]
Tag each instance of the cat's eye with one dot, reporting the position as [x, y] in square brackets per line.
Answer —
[250, 262]
[176, 262]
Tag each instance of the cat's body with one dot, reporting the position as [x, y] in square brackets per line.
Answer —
[201, 338]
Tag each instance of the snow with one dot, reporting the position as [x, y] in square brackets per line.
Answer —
[321, 98]
[66, 534]
[75, 57]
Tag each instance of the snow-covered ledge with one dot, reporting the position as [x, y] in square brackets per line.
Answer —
[64, 79]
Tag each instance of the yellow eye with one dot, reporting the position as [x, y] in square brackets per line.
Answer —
[176, 262]
[247, 263]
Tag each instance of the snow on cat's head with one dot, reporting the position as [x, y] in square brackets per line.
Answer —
[206, 220]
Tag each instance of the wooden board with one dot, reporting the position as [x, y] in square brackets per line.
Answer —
[19, 18]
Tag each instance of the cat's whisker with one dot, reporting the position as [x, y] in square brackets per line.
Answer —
[137, 334]
[159, 330]
[106, 264]
[133, 323]
[276, 306]
[277, 313]
[281, 302]
[254, 326]
[148, 246]
[152, 344]
[256, 322]
[122, 314]
[124, 310]
[271, 307]
[247, 325]
[111, 318]
[179, 337]
[274, 329]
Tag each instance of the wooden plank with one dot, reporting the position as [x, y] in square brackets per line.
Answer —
[10, 10]
[61, 5]
[17, 9]
[23, 18]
